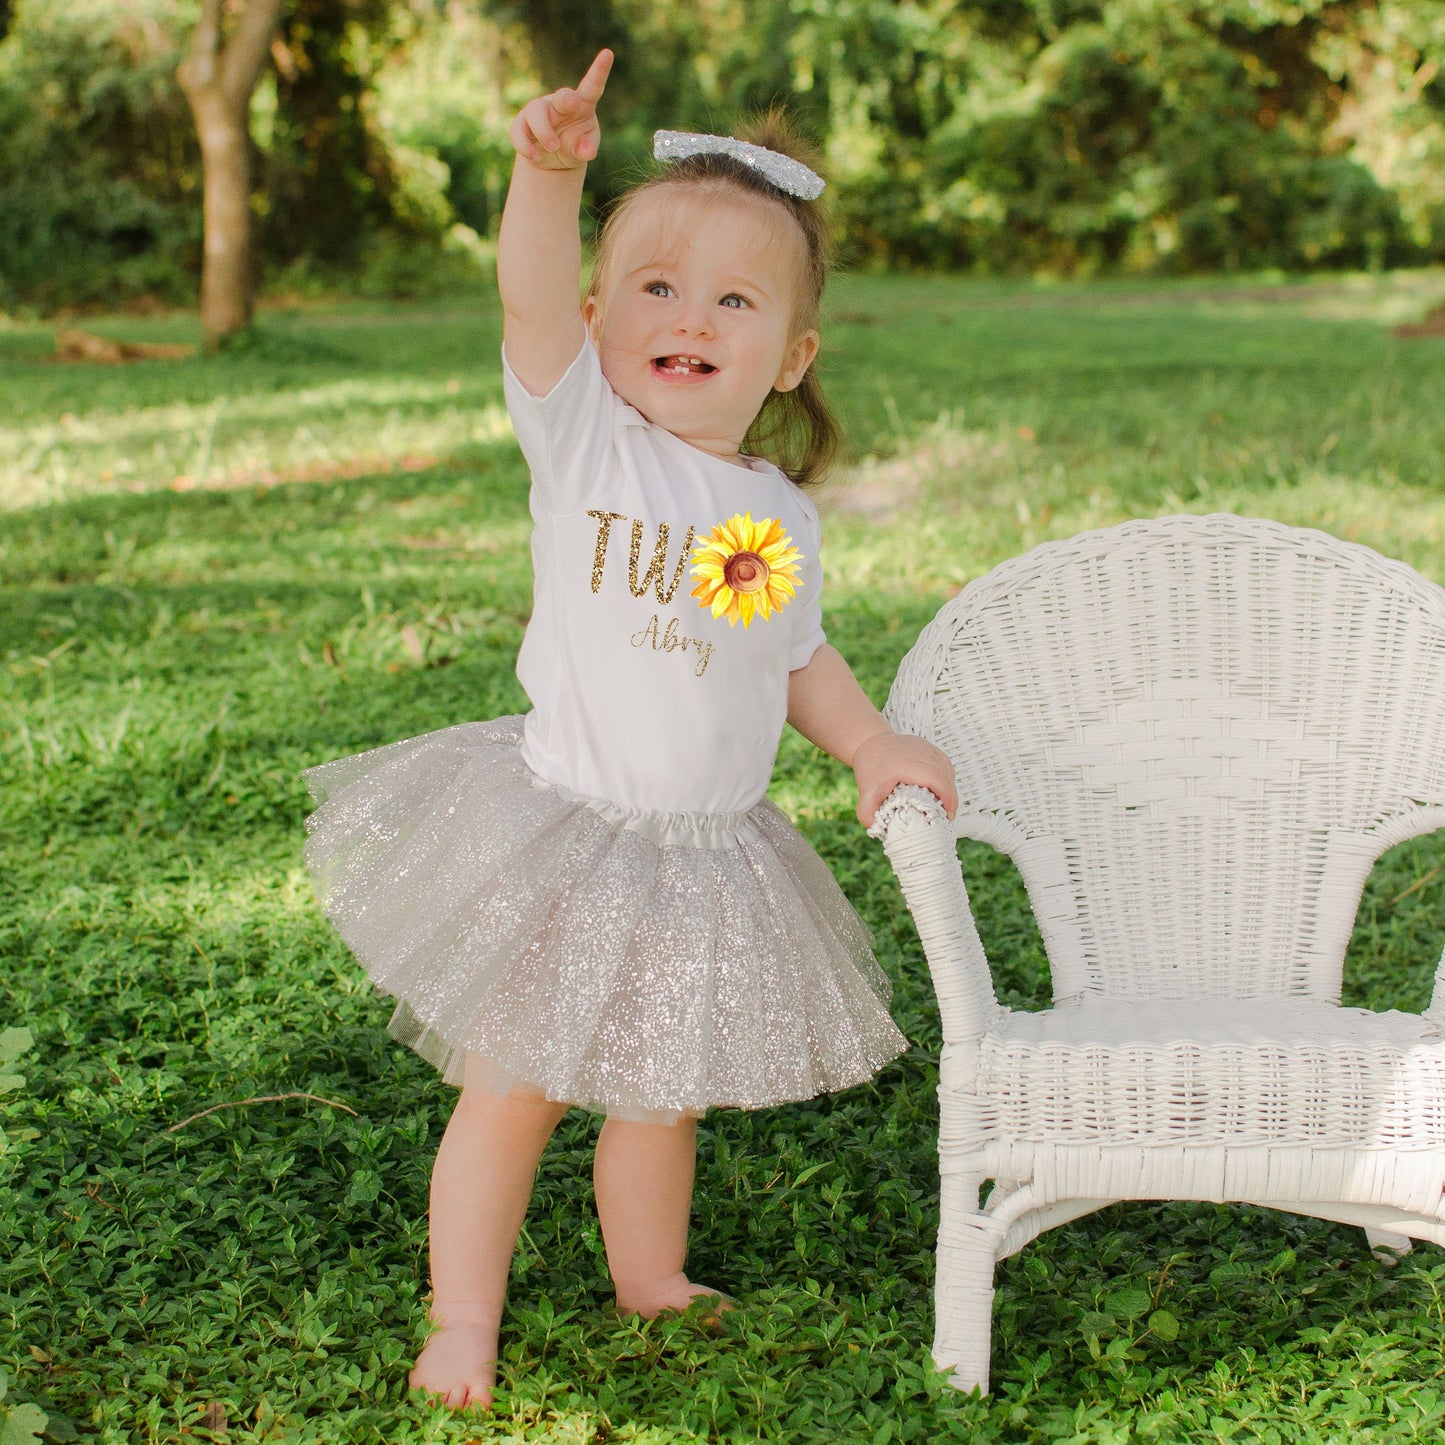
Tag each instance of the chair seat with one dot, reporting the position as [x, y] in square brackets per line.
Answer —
[1230, 1072]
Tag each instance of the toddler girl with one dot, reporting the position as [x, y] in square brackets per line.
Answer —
[595, 904]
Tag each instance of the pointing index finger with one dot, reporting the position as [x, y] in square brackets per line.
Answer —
[591, 86]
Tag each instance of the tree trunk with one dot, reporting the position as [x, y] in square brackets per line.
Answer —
[226, 289]
[218, 82]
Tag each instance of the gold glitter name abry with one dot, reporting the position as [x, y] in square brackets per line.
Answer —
[670, 639]
[660, 636]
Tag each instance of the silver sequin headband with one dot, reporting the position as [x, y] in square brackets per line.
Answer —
[783, 171]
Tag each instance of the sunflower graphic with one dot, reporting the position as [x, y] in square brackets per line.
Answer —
[746, 568]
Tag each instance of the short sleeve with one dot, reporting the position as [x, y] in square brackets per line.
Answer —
[808, 635]
[564, 434]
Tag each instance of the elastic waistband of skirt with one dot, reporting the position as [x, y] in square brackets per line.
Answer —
[684, 830]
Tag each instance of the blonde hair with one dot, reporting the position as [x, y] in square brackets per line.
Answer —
[796, 430]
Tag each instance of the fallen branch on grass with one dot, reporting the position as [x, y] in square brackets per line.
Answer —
[84, 346]
[261, 1099]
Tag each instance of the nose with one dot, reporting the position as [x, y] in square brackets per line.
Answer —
[694, 318]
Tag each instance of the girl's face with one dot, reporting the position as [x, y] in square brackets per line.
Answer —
[693, 324]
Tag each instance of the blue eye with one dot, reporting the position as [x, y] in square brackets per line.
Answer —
[657, 288]
[733, 299]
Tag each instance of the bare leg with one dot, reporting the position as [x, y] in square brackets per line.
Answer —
[643, 1175]
[480, 1185]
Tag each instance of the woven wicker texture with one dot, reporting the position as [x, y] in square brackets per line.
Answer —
[1194, 736]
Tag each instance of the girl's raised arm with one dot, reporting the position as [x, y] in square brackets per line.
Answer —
[539, 252]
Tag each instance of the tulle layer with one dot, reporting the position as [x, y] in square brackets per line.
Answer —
[643, 964]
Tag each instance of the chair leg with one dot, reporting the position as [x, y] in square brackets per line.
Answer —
[1388, 1248]
[963, 1289]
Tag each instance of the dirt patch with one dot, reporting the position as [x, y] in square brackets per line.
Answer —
[1433, 324]
[349, 470]
[878, 489]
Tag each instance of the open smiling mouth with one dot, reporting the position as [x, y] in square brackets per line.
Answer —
[682, 366]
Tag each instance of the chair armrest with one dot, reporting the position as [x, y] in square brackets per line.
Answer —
[1436, 1012]
[921, 845]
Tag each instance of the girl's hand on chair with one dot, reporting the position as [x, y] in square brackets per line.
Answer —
[887, 759]
[559, 132]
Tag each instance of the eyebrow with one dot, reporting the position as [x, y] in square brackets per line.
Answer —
[750, 285]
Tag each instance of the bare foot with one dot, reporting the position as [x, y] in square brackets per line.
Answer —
[673, 1296]
[459, 1361]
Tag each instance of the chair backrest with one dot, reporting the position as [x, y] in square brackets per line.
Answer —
[1194, 736]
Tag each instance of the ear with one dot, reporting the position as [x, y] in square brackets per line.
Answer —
[796, 361]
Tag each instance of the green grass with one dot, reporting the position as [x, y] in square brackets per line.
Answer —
[213, 575]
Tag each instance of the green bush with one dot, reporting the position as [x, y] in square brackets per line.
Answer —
[420, 268]
[99, 165]
[1137, 143]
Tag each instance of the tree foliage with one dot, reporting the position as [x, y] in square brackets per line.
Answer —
[1070, 136]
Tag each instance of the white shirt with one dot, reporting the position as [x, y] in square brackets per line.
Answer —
[640, 696]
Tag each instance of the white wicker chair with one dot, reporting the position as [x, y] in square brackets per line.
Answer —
[1194, 736]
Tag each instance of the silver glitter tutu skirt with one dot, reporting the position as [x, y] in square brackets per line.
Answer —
[642, 964]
